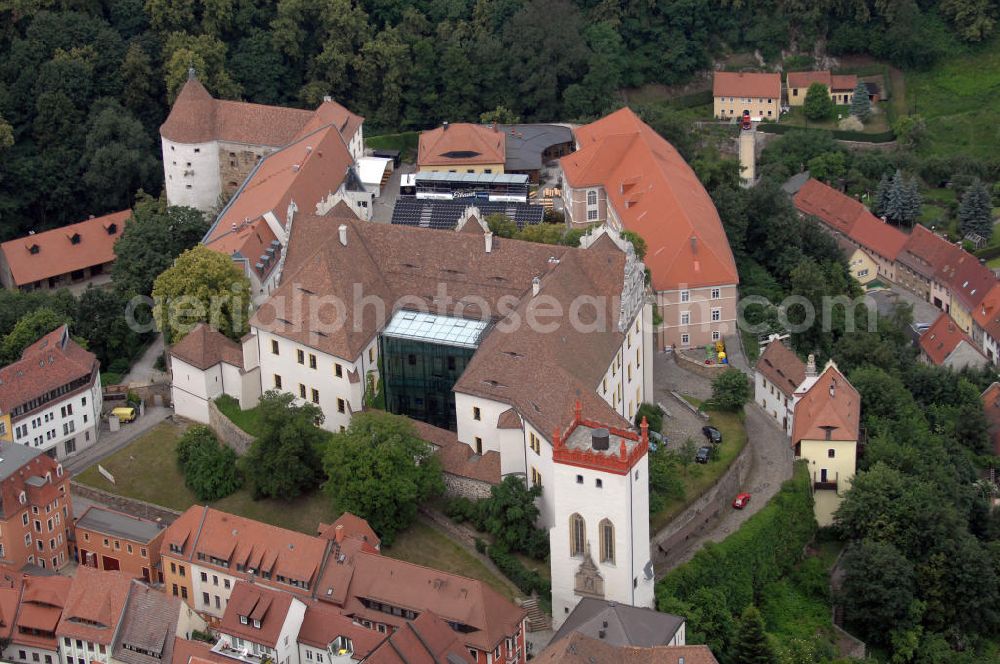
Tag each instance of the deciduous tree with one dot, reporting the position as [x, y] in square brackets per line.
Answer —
[28, 330]
[818, 104]
[202, 286]
[509, 514]
[730, 390]
[382, 471]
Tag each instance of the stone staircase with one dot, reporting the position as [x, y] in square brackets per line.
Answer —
[537, 620]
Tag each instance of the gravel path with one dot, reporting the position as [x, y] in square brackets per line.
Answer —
[771, 464]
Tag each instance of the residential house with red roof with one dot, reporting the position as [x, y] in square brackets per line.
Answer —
[919, 264]
[260, 624]
[969, 282]
[210, 146]
[848, 219]
[462, 148]
[204, 365]
[51, 399]
[840, 87]
[628, 177]
[735, 93]
[825, 433]
[986, 325]
[38, 602]
[92, 615]
[36, 509]
[426, 640]
[777, 376]
[582, 649]
[73, 257]
[945, 344]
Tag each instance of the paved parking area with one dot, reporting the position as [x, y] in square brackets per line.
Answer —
[384, 204]
[886, 300]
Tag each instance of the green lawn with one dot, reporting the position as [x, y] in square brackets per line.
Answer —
[423, 545]
[958, 97]
[406, 142]
[248, 420]
[796, 116]
[699, 478]
[147, 470]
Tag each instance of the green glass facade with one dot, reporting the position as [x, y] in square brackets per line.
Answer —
[418, 377]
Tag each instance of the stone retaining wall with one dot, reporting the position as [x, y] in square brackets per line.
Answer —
[466, 537]
[709, 371]
[456, 486]
[705, 508]
[228, 433]
[138, 508]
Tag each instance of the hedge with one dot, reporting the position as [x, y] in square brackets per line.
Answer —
[840, 135]
[766, 548]
[527, 580]
[988, 253]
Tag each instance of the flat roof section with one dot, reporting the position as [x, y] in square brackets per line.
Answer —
[435, 328]
[527, 142]
[472, 178]
[121, 525]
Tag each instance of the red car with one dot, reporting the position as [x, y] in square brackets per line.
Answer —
[741, 501]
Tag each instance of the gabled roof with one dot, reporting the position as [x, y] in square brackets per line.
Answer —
[195, 652]
[829, 410]
[746, 84]
[149, 626]
[204, 347]
[253, 602]
[941, 339]
[66, 249]
[967, 279]
[782, 367]
[461, 143]
[95, 605]
[620, 624]
[245, 543]
[838, 82]
[656, 194]
[51, 362]
[40, 608]
[835, 209]
[323, 623]
[426, 640]
[987, 314]
[300, 175]
[583, 649]
[349, 525]
[197, 117]
[925, 252]
[844, 82]
[876, 235]
[458, 458]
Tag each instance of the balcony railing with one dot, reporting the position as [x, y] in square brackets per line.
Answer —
[825, 486]
[225, 648]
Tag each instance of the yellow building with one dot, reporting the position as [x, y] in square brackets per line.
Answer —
[825, 434]
[863, 267]
[839, 87]
[734, 93]
[462, 148]
[6, 434]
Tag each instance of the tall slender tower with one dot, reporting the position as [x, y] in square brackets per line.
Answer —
[599, 543]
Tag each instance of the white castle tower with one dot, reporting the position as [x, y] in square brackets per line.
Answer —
[599, 543]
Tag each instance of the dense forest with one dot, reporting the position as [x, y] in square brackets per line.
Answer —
[85, 84]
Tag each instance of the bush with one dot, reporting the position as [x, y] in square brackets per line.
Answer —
[764, 549]
[480, 545]
[209, 467]
[527, 580]
[119, 366]
[463, 510]
[653, 414]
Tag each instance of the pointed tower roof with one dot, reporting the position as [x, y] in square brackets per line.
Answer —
[192, 117]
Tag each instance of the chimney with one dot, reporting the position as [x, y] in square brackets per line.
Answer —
[811, 366]
[444, 125]
[343, 234]
[327, 98]
[536, 285]
[694, 245]
[600, 634]
[488, 236]
[600, 440]
[338, 534]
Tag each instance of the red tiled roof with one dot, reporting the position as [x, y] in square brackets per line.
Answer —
[41, 606]
[55, 252]
[426, 640]
[192, 652]
[925, 252]
[780, 365]
[746, 84]
[255, 602]
[323, 623]
[991, 405]
[332, 113]
[49, 363]
[655, 194]
[247, 543]
[876, 235]
[844, 82]
[458, 458]
[941, 338]
[305, 172]
[204, 347]
[987, 314]
[838, 211]
[831, 404]
[967, 278]
[803, 79]
[349, 525]
[95, 605]
[460, 144]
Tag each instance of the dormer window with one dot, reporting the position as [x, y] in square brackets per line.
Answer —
[111, 228]
[74, 238]
[256, 624]
[243, 620]
[33, 249]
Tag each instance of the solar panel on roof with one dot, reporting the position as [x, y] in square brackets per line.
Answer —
[445, 214]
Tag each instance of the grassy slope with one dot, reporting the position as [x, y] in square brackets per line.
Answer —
[248, 420]
[147, 470]
[958, 99]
